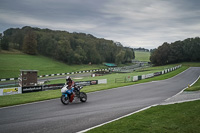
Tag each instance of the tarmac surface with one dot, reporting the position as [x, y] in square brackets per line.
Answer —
[183, 97]
[51, 116]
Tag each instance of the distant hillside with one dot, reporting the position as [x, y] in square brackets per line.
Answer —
[11, 64]
[142, 56]
[71, 48]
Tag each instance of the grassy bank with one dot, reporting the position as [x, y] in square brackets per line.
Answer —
[12, 63]
[177, 118]
[142, 56]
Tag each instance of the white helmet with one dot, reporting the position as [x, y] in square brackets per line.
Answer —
[68, 77]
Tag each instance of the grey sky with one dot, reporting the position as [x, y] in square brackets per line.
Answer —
[134, 23]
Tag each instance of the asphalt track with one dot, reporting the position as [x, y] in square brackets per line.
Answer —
[51, 116]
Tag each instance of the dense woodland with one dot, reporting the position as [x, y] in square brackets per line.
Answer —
[179, 51]
[71, 48]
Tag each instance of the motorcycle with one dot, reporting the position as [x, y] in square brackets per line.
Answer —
[68, 95]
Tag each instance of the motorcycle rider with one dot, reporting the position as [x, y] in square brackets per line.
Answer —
[70, 84]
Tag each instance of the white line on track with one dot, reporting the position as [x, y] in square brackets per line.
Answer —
[183, 89]
[83, 131]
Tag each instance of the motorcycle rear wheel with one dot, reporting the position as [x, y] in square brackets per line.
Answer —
[64, 100]
[83, 97]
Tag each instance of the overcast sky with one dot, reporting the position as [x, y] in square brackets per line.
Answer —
[134, 23]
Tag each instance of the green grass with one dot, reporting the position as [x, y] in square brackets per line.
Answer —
[44, 95]
[17, 99]
[111, 78]
[12, 63]
[195, 87]
[142, 56]
[177, 118]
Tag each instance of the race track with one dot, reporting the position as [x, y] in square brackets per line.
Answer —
[52, 116]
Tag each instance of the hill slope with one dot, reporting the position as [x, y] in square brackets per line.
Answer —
[12, 63]
[142, 56]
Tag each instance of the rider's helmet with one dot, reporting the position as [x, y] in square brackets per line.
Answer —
[68, 78]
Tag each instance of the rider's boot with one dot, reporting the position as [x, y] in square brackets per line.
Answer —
[71, 98]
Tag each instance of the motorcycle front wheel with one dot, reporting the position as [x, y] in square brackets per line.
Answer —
[64, 100]
[83, 97]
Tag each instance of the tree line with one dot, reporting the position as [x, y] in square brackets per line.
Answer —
[72, 48]
[141, 49]
[179, 51]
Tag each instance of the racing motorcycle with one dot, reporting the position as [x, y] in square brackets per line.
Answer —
[68, 95]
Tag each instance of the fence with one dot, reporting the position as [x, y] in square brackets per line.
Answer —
[61, 74]
[140, 77]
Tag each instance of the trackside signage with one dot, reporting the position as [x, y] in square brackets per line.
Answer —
[10, 91]
[93, 82]
[85, 83]
[31, 89]
[52, 86]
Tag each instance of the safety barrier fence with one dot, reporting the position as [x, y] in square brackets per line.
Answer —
[61, 74]
[136, 78]
[140, 77]
[19, 90]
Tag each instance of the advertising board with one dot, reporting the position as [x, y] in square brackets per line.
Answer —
[52, 86]
[10, 91]
[31, 89]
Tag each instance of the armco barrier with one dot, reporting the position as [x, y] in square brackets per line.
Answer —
[102, 81]
[149, 75]
[136, 78]
[143, 76]
[157, 73]
[139, 77]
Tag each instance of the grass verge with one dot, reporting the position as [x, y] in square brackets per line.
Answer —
[195, 87]
[177, 118]
[10, 100]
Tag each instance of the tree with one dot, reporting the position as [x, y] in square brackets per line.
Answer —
[129, 55]
[30, 43]
[79, 55]
[0, 40]
[120, 57]
[63, 51]
[1, 36]
[160, 55]
[5, 43]
[68, 47]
